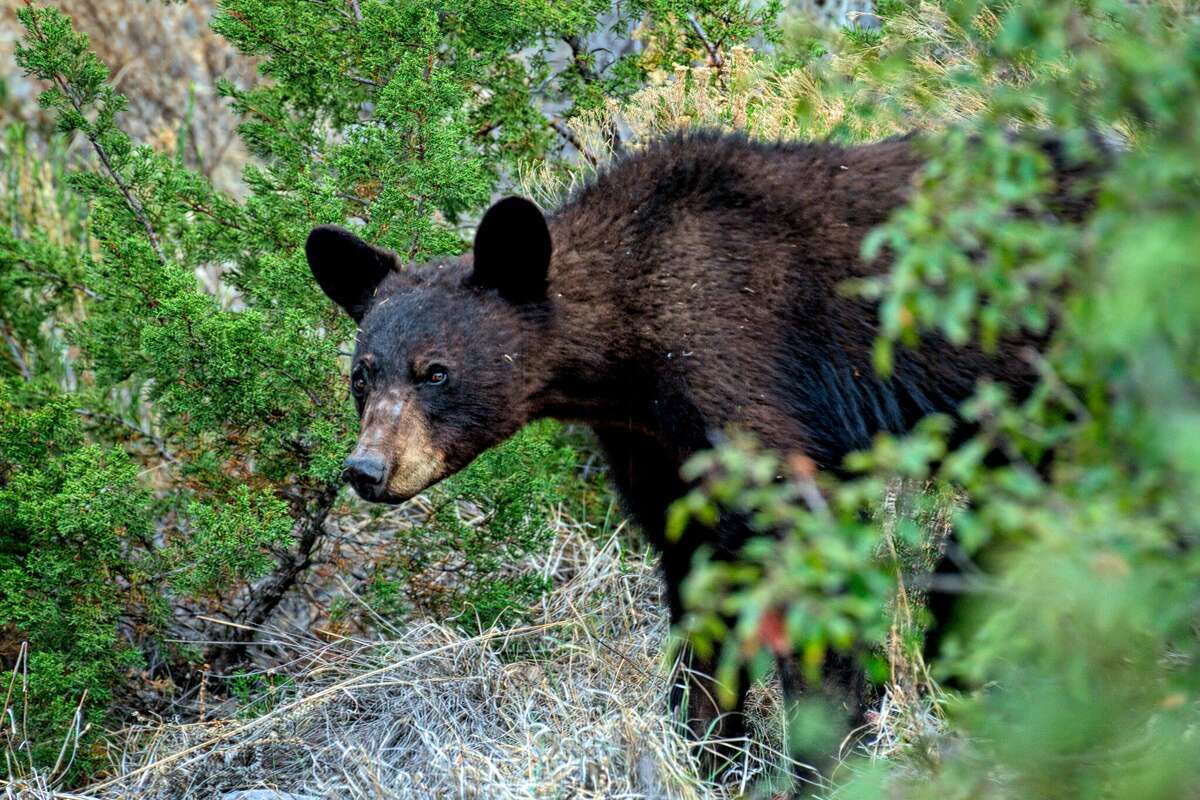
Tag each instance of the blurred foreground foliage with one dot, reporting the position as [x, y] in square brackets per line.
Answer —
[1077, 652]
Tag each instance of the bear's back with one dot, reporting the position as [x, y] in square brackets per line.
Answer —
[719, 263]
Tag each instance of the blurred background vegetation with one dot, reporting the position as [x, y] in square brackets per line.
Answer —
[173, 528]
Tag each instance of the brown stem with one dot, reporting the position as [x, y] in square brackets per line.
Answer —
[569, 135]
[266, 596]
[579, 62]
[14, 347]
[158, 444]
[714, 52]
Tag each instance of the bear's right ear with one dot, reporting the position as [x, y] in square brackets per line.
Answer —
[512, 251]
[348, 269]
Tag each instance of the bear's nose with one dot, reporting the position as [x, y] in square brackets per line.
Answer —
[365, 471]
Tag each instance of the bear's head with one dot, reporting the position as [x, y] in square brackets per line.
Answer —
[445, 359]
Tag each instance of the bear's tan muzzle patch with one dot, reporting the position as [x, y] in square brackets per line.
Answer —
[393, 426]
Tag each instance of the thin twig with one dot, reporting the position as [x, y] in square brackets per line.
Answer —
[582, 66]
[566, 133]
[267, 595]
[15, 348]
[159, 445]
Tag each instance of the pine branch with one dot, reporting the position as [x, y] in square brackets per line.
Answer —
[266, 596]
[157, 443]
[567, 134]
[14, 348]
[582, 67]
[135, 205]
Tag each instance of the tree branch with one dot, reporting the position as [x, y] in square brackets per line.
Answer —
[714, 52]
[131, 199]
[266, 596]
[579, 62]
[566, 133]
[15, 348]
[159, 445]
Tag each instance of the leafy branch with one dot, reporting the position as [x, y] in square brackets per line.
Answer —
[62, 57]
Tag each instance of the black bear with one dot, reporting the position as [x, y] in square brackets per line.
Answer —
[690, 288]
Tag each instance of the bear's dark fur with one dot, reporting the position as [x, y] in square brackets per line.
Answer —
[691, 288]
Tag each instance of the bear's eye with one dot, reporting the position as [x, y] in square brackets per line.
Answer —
[358, 381]
[436, 374]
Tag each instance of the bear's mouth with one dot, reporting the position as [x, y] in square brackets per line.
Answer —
[386, 496]
[412, 476]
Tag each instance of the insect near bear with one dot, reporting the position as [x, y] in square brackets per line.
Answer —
[690, 288]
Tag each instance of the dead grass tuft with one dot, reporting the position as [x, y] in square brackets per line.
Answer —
[571, 705]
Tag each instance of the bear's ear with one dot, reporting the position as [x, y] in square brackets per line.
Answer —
[347, 268]
[512, 251]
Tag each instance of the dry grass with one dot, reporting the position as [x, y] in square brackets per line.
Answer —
[825, 97]
[744, 94]
[571, 705]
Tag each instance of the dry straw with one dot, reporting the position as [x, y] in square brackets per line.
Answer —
[572, 705]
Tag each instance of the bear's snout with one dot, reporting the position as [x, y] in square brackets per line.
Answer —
[396, 457]
[366, 472]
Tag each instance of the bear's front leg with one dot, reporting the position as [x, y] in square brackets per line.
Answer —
[647, 480]
[844, 691]
[694, 693]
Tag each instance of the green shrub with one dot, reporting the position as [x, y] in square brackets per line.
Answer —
[70, 514]
[174, 334]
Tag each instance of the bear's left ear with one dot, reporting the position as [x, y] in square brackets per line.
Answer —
[512, 251]
[348, 269]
